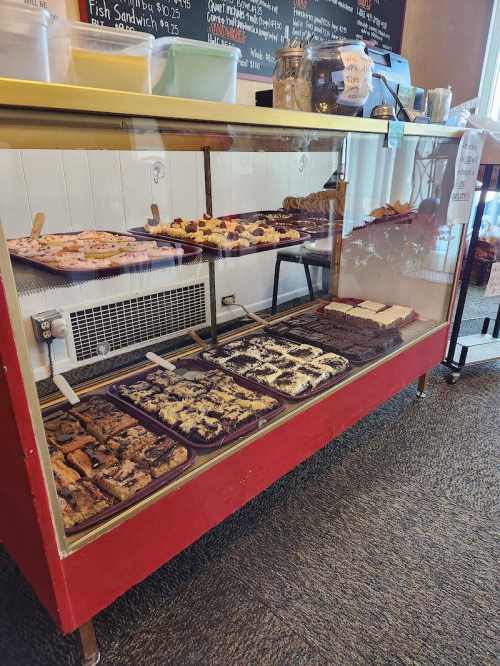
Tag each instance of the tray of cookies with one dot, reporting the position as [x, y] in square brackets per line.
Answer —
[104, 459]
[228, 237]
[202, 406]
[368, 315]
[358, 345]
[87, 254]
[292, 370]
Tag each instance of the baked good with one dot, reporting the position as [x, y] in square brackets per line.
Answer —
[82, 500]
[162, 457]
[131, 441]
[393, 316]
[65, 432]
[373, 306]
[101, 418]
[90, 460]
[64, 476]
[339, 309]
[122, 480]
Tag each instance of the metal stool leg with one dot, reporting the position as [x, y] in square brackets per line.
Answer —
[90, 650]
[309, 282]
[422, 386]
[276, 282]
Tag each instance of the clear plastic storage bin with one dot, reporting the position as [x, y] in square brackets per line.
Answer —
[100, 57]
[194, 69]
[23, 42]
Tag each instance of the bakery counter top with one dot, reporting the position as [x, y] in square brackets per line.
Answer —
[206, 459]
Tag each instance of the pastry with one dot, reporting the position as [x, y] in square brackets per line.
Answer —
[90, 460]
[66, 433]
[372, 306]
[131, 441]
[82, 500]
[102, 418]
[64, 476]
[162, 457]
[123, 479]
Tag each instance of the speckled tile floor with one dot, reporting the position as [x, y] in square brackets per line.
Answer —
[381, 549]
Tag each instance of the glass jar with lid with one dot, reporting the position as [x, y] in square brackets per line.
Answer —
[289, 91]
[339, 74]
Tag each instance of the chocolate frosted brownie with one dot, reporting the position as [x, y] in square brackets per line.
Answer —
[339, 336]
[101, 418]
[123, 480]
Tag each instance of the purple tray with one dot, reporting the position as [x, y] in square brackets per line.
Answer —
[189, 253]
[276, 392]
[141, 233]
[200, 365]
[155, 484]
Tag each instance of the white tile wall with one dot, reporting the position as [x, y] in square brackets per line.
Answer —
[79, 189]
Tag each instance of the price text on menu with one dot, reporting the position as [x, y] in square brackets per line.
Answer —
[257, 27]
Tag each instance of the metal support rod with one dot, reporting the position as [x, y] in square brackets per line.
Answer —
[463, 356]
[213, 301]
[90, 650]
[422, 386]
[207, 168]
[488, 171]
[486, 325]
[496, 327]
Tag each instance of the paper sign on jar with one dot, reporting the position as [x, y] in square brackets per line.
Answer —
[57, 8]
[493, 287]
[357, 76]
[466, 168]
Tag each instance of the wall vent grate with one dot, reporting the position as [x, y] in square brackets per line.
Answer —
[123, 324]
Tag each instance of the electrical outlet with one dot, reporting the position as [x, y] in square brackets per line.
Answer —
[228, 300]
[48, 325]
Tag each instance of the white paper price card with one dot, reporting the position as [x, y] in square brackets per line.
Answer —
[493, 287]
[466, 168]
[357, 76]
[57, 8]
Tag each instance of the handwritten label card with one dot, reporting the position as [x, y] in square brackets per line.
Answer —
[493, 288]
[466, 168]
[357, 76]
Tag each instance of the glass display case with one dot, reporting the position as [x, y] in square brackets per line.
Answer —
[196, 298]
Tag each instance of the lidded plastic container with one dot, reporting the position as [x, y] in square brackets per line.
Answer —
[23, 42]
[290, 91]
[194, 69]
[100, 57]
[340, 75]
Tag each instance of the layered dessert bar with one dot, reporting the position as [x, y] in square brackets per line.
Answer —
[101, 418]
[81, 501]
[90, 460]
[373, 306]
[128, 443]
[65, 432]
[162, 457]
[123, 480]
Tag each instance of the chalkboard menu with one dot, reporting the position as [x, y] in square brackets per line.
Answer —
[257, 27]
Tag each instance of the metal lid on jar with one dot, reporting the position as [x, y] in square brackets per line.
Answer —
[290, 52]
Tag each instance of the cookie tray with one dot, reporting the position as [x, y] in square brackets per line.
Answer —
[189, 253]
[253, 383]
[139, 232]
[199, 365]
[152, 487]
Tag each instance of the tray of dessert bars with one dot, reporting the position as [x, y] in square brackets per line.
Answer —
[313, 225]
[351, 318]
[106, 457]
[200, 406]
[358, 346]
[286, 368]
[78, 255]
[141, 233]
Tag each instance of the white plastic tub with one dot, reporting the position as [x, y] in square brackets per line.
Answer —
[194, 69]
[100, 57]
[23, 42]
